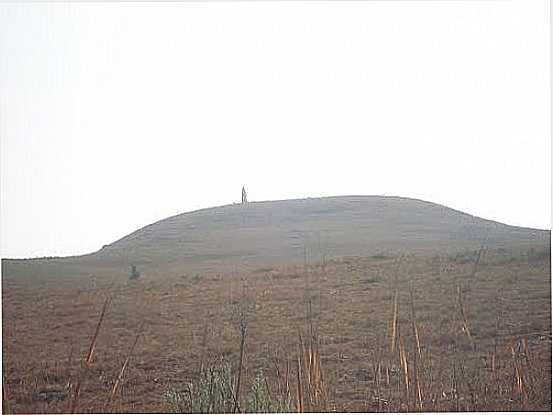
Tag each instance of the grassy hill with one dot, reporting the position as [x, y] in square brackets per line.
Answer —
[289, 231]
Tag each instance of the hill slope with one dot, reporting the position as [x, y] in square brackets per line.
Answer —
[277, 232]
[262, 233]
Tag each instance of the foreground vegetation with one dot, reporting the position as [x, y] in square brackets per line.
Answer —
[469, 331]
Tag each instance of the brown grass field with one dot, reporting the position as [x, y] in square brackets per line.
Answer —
[358, 303]
[485, 336]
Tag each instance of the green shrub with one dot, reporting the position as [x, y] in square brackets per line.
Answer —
[134, 273]
[212, 392]
[371, 280]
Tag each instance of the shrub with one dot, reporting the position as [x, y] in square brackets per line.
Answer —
[371, 280]
[259, 399]
[134, 273]
[211, 392]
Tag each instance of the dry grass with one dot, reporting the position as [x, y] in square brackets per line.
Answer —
[382, 335]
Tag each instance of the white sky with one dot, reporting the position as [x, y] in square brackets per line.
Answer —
[113, 116]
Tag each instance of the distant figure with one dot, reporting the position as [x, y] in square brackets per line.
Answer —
[244, 195]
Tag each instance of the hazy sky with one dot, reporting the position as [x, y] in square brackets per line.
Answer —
[113, 116]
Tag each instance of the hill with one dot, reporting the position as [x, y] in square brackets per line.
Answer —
[268, 233]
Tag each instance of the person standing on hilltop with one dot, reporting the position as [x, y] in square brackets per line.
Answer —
[244, 196]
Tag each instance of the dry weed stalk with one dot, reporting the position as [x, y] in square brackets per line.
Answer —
[316, 378]
[394, 323]
[243, 332]
[417, 390]
[519, 377]
[404, 365]
[88, 361]
[418, 354]
[242, 312]
[414, 321]
[377, 365]
[278, 375]
[299, 405]
[204, 347]
[311, 387]
[125, 364]
[311, 390]
[240, 368]
[531, 372]
[395, 306]
[464, 322]
[287, 377]
[95, 337]
[454, 388]
[283, 385]
[286, 387]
